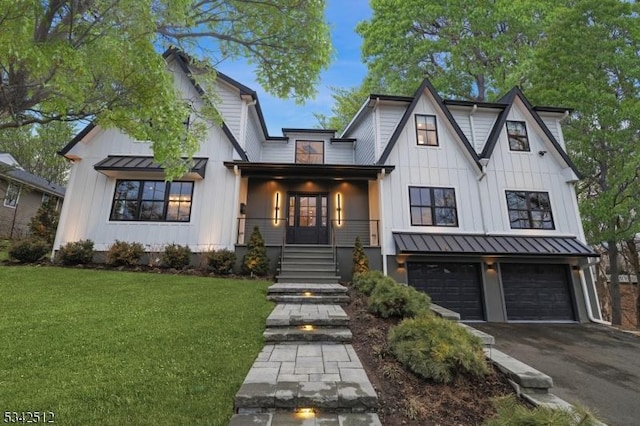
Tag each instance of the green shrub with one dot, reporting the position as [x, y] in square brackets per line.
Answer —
[436, 348]
[255, 261]
[390, 299]
[510, 412]
[122, 253]
[365, 282]
[221, 261]
[176, 256]
[28, 250]
[76, 253]
[360, 260]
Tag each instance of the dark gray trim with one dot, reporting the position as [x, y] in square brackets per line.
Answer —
[426, 84]
[84, 132]
[144, 164]
[509, 98]
[315, 131]
[557, 110]
[320, 171]
[241, 152]
[489, 245]
[342, 140]
[456, 102]
[393, 98]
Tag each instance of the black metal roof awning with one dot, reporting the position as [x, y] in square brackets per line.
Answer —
[489, 245]
[309, 171]
[115, 165]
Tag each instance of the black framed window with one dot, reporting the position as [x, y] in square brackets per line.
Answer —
[426, 130]
[433, 206]
[517, 134]
[151, 200]
[529, 210]
[310, 152]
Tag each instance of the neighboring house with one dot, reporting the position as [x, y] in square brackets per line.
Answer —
[22, 194]
[472, 202]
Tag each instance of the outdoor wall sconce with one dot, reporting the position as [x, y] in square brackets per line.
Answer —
[339, 208]
[491, 267]
[575, 267]
[243, 208]
[276, 209]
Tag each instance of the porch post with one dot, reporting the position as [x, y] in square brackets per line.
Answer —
[236, 197]
[381, 231]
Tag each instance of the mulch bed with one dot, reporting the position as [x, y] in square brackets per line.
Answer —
[406, 399]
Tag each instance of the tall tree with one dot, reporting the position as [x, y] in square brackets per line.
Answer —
[35, 147]
[67, 60]
[590, 61]
[468, 52]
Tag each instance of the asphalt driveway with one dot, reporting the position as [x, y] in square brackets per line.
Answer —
[592, 365]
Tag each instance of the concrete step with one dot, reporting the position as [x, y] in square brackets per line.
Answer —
[307, 333]
[306, 419]
[321, 299]
[310, 270]
[292, 314]
[308, 278]
[487, 340]
[308, 267]
[327, 377]
[299, 288]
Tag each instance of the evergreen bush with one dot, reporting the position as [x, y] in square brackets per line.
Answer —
[28, 250]
[45, 222]
[222, 261]
[437, 349]
[360, 260]
[390, 299]
[76, 253]
[176, 256]
[122, 253]
[255, 261]
[365, 282]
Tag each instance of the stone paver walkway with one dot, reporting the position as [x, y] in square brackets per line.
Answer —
[302, 382]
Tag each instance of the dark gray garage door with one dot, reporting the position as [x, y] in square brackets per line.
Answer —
[455, 286]
[537, 292]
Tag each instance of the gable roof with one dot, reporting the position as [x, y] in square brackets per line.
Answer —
[509, 99]
[426, 84]
[19, 175]
[182, 61]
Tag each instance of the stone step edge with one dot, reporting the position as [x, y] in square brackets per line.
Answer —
[327, 419]
[295, 334]
[334, 299]
[328, 322]
[526, 377]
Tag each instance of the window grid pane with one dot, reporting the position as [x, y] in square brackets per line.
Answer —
[529, 210]
[309, 152]
[426, 130]
[155, 201]
[517, 134]
[432, 206]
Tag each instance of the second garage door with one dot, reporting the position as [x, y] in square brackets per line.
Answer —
[455, 286]
[537, 292]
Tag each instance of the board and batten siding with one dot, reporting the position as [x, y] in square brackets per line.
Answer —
[447, 165]
[388, 115]
[364, 134]
[255, 138]
[86, 209]
[530, 171]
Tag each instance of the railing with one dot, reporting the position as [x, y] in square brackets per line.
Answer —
[273, 233]
[342, 233]
[345, 232]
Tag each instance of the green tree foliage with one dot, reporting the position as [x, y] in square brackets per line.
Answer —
[360, 260]
[467, 52]
[35, 147]
[590, 62]
[69, 60]
[346, 103]
[255, 261]
[44, 223]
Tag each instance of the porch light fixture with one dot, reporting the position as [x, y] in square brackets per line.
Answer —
[491, 266]
[339, 208]
[276, 209]
[307, 294]
[307, 327]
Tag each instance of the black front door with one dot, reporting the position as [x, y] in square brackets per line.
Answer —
[307, 219]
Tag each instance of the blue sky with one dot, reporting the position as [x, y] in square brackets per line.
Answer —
[346, 70]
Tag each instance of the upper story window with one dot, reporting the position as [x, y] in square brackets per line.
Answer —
[517, 134]
[433, 206]
[529, 210]
[309, 152]
[426, 130]
[154, 201]
[12, 195]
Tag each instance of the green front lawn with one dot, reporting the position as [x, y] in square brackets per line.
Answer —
[104, 347]
[4, 251]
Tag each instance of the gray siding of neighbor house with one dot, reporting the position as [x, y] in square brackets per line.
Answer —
[18, 218]
[492, 289]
